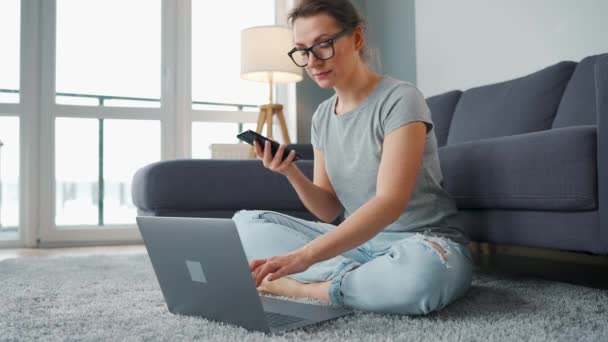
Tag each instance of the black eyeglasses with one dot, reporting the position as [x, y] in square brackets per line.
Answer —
[322, 50]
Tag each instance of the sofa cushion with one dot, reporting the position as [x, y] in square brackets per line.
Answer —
[578, 105]
[225, 213]
[522, 105]
[442, 107]
[304, 149]
[548, 170]
[190, 185]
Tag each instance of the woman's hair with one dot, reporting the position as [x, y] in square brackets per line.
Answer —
[343, 11]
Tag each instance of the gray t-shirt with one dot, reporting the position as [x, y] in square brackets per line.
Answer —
[352, 145]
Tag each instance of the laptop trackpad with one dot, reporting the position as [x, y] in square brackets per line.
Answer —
[316, 312]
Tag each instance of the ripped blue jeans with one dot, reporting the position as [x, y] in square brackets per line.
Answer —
[394, 272]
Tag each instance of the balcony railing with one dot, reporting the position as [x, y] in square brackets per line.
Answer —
[101, 101]
[102, 98]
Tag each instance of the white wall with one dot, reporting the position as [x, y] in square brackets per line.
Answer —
[466, 43]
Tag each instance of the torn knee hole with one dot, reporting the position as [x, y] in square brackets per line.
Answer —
[439, 249]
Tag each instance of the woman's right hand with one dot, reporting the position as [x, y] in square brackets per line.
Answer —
[275, 164]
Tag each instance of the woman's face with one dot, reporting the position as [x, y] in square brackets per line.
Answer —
[310, 30]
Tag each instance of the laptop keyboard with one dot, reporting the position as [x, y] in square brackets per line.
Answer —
[278, 320]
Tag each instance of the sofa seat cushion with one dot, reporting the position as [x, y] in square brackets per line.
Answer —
[548, 170]
[522, 105]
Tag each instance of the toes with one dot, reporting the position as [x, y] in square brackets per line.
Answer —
[262, 290]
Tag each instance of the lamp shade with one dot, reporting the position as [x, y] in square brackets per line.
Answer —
[264, 55]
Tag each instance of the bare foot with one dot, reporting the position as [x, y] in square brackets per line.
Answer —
[282, 287]
[292, 288]
[318, 291]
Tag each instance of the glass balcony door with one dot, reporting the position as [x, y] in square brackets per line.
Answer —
[10, 120]
[94, 90]
[103, 114]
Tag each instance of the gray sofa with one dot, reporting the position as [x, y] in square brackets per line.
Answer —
[526, 161]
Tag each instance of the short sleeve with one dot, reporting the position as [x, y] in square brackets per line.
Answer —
[404, 105]
[314, 132]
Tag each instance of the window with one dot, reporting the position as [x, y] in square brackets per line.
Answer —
[9, 173]
[108, 52]
[10, 12]
[91, 91]
[9, 58]
[216, 58]
[76, 165]
[95, 163]
[206, 133]
[217, 88]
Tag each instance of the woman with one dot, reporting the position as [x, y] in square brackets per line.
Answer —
[400, 249]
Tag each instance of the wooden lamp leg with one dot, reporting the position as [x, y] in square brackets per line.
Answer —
[265, 117]
[283, 125]
[259, 128]
[269, 127]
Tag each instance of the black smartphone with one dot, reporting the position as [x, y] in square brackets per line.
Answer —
[249, 136]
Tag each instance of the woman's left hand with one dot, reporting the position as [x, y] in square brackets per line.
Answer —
[280, 266]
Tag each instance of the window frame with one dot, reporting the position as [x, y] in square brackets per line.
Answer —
[50, 234]
[37, 111]
[27, 113]
[10, 110]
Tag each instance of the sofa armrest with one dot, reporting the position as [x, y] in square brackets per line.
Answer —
[601, 98]
[547, 170]
[206, 184]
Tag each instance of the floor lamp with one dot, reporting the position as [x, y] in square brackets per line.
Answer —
[264, 59]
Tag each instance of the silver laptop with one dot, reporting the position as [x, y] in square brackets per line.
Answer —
[202, 270]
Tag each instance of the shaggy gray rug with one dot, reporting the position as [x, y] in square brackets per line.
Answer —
[117, 298]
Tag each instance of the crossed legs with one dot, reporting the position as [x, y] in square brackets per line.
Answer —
[416, 275]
